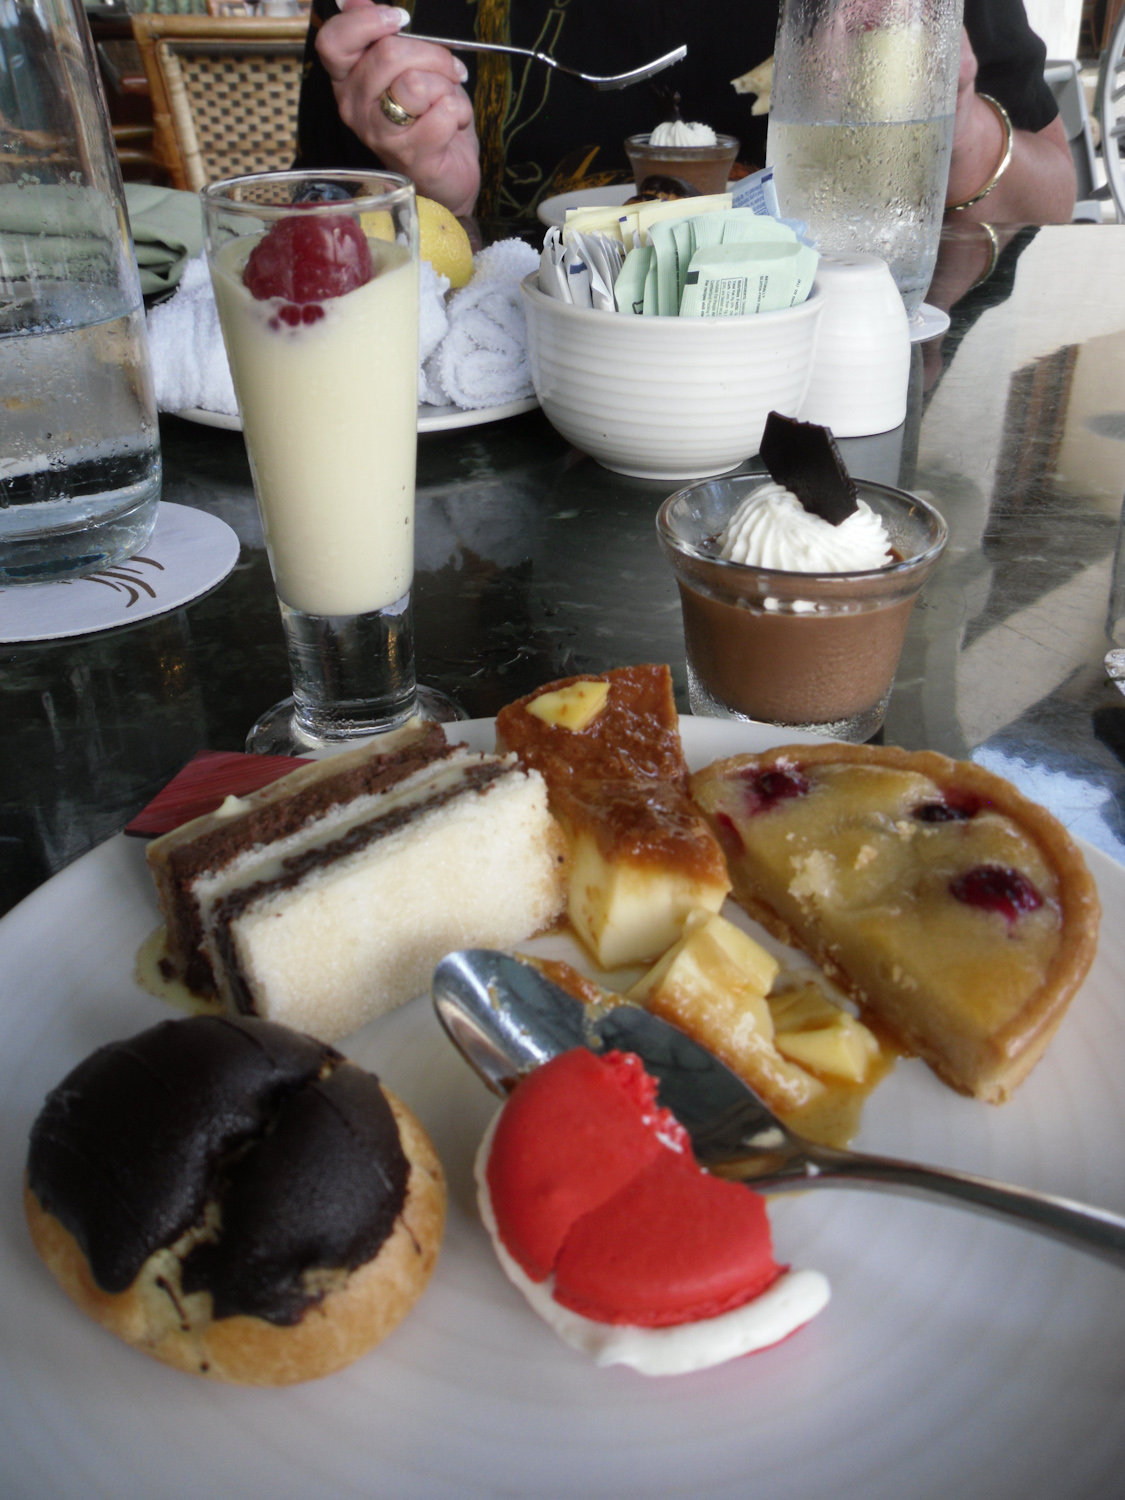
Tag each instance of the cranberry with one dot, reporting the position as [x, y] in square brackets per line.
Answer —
[954, 807]
[765, 789]
[306, 259]
[996, 888]
[729, 836]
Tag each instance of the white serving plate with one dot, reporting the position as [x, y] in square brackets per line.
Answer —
[430, 418]
[958, 1357]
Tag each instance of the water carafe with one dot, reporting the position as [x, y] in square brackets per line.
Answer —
[861, 126]
[79, 439]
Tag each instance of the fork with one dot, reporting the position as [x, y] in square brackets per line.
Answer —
[612, 81]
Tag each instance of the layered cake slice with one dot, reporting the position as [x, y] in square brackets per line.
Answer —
[641, 857]
[327, 898]
[956, 912]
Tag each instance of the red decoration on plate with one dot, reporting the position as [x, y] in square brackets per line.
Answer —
[590, 1178]
[204, 784]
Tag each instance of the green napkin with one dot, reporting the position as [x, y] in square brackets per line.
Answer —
[64, 231]
[167, 232]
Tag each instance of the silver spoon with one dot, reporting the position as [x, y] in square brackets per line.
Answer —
[507, 1018]
[612, 81]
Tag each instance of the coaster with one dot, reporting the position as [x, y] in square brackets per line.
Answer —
[188, 553]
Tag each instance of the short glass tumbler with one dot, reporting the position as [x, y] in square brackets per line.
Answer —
[811, 651]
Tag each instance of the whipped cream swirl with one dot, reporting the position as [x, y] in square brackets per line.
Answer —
[680, 133]
[772, 529]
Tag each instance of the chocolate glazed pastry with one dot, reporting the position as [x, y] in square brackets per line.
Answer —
[235, 1199]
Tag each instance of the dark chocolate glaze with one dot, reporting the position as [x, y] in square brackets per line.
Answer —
[299, 1149]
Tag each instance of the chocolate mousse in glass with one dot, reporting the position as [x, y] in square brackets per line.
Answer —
[704, 167]
[807, 650]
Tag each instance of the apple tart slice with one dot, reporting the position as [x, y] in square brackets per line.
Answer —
[957, 913]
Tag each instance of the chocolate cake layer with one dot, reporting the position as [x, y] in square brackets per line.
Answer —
[210, 844]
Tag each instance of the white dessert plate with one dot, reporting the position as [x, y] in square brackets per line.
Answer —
[430, 418]
[957, 1357]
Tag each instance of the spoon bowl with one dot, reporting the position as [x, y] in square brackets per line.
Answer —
[507, 1018]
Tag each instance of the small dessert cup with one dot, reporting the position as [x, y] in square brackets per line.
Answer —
[704, 167]
[811, 651]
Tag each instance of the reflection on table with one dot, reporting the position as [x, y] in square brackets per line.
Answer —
[533, 562]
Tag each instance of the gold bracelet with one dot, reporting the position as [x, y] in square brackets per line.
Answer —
[993, 253]
[1005, 160]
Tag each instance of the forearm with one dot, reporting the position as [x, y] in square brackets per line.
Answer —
[1037, 186]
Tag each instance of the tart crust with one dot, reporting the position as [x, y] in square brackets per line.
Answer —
[965, 1048]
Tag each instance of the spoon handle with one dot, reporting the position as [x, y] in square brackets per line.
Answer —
[1092, 1229]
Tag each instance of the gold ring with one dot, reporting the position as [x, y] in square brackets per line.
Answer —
[394, 110]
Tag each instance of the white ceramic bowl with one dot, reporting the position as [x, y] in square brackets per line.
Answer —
[667, 398]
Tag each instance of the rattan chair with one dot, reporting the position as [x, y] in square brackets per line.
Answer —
[224, 93]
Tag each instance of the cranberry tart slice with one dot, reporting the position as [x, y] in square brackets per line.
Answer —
[956, 912]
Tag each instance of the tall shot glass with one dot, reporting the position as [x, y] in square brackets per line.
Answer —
[316, 280]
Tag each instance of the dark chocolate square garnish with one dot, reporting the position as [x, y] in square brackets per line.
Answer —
[805, 459]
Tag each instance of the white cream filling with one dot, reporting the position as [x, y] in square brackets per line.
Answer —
[793, 1299]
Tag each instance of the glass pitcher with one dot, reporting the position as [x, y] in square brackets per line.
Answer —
[861, 126]
[79, 439]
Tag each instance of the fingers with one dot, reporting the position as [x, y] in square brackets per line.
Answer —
[366, 37]
[967, 71]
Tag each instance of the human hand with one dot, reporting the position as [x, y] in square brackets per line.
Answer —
[366, 58]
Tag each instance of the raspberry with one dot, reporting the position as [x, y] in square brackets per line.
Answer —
[306, 259]
[996, 888]
[765, 789]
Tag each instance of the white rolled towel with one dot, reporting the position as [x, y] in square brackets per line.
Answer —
[486, 363]
[482, 361]
[433, 325]
[189, 362]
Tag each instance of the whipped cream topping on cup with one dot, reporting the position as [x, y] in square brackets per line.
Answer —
[772, 529]
[681, 133]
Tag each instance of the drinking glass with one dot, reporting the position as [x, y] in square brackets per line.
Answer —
[861, 126]
[316, 280]
[80, 461]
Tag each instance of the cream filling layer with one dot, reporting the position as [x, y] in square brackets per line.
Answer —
[793, 1299]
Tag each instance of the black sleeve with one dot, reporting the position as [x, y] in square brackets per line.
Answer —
[323, 140]
[1010, 60]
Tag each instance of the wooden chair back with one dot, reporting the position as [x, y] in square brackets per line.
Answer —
[224, 93]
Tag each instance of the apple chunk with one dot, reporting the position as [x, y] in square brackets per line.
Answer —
[712, 984]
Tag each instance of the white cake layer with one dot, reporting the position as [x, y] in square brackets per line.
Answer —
[362, 934]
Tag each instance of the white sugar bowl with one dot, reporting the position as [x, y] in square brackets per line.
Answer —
[667, 398]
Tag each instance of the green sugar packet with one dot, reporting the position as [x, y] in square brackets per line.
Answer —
[734, 278]
[629, 288]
